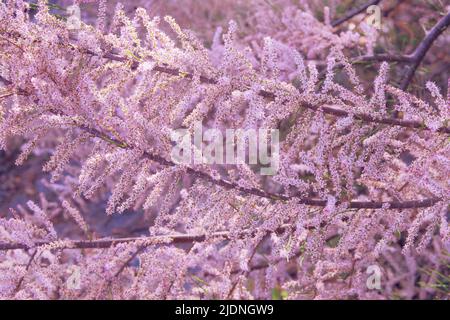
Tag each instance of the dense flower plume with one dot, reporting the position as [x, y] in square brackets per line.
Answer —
[362, 178]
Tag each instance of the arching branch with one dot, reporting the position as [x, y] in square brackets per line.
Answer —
[422, 49]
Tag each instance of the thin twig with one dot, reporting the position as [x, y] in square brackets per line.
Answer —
[384, 57]
[19, 284]
[354, 12]
[125, 264]
[13, 43]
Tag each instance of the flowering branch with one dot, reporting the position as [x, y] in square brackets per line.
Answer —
[264, 194]
[328, 110]
[261, 193]
[416, 57]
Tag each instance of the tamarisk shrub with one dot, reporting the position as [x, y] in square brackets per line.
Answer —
[362, 181]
